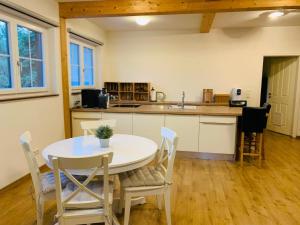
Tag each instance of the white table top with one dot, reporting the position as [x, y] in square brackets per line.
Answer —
[129, 151]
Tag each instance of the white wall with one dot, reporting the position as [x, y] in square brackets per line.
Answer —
[174, 61]
[36, 115]
[43, 117]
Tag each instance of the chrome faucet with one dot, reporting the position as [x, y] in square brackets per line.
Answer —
[182, 100]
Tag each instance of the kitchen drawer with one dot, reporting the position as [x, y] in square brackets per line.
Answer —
[218, 119]
[87, 115]
[217, 136]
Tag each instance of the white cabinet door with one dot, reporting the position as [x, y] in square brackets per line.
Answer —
[77, 117]
[148, 125]
[187, 129]
[124, 122]
[217, 134]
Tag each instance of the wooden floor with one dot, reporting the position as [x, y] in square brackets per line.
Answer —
[205, 192]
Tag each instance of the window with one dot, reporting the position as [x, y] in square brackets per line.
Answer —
[22, 57]
[30, 57]
[5, 70]
[81, 65]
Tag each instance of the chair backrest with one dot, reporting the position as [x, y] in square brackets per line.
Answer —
[267, 106]
[76, 198]
[89, 127]
[25, 140]
[167, 152]
[253, 119]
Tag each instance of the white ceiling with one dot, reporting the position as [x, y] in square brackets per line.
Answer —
[192, 21]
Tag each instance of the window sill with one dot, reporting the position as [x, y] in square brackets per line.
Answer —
[26, 97]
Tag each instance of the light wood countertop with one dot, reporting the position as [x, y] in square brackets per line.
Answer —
[164, 109]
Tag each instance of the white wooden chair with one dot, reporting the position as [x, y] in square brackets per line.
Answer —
[151, 180]
[43, 183]
[86, 202]
[89, 127]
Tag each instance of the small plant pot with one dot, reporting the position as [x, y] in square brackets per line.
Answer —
[104, 143]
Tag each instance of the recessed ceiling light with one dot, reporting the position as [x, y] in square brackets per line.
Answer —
[142, 21]
[276, 14]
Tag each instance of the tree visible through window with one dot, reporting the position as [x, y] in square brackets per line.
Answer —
[5, 71]
[30, 57]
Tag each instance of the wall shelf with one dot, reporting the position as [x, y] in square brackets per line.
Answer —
[129, 91]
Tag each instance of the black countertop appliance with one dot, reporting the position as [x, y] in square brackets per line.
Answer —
[90, 98]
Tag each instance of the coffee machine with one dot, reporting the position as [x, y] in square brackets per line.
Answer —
[103, 102]
[237, 98]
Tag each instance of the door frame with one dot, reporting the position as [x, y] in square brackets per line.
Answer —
[296, 96]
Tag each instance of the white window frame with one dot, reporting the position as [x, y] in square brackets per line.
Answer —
[12, 23]
[82, 45]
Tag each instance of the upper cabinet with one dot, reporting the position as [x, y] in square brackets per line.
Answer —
[187, 129]
[148, 125]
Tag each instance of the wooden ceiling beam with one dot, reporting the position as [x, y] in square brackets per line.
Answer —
[206, 22]
[108, 8]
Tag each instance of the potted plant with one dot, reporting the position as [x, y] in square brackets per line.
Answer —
[104, 133]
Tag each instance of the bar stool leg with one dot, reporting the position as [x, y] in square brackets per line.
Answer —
[242, 149]
[260, 148]
[263, 146]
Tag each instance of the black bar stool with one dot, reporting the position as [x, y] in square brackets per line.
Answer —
[252, 127]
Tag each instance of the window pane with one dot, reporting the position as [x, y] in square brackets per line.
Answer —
[37, 73]
[75, 64]
[88, 67]
[5, 68]
[31, 73]
[75, 78]
[88, 77]
[25, 73]
[5, 76]
[36, 45]
[31, 57]
[4, 49]
[74, 53]
[23, 41]
[88, 57]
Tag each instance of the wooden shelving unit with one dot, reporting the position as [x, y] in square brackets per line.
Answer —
[128, 91]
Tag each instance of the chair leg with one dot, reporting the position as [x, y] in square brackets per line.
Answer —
[242, 149]
[115, 220]
[121, 202]
[40, 210]
[260, 149]
[159, 201]
[167, 197]
[127, 208]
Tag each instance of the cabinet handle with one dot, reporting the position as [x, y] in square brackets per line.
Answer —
[217, 123]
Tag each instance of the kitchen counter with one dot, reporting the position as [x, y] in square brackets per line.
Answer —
[168, 103]
[164, 109]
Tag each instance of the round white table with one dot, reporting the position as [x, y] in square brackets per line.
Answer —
[129, 151]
